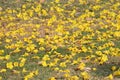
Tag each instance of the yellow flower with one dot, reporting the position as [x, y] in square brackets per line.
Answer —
[84, 49]
[24, 6]
[22, 62]
[36, 57]
[7, 57]
[110, 77]
[117, 34]
[97, 7]
[81, 66]
[63, 64]
[94, 69]
[0, 77]
[56, 69]
[103, 59]
[35, 51]
[8, 40]
[24, 70]
[31, 13]
[85, 75]
[25, 54]
[26, 78]
[67, 71]
[44, 12]
[52, 78]
[9, 65]
[74, 78]
[2, 58]
[46, 57]
[73, 13]
[16, 50]
[113, 68]
[116, 73]
[30, 47]
[1, 52]
[82, 1]
[38, 8]
[74, 62]
[51, 64]
[16, 64]
[67, 75]
[30, 75]
[44, 64]
[42, 48]
[36, 72]
[57, 1]
[3, 70]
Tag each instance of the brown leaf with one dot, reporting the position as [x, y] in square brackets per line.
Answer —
[42, 1]
[39, 63]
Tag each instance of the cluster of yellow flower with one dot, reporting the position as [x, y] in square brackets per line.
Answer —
[70, 38]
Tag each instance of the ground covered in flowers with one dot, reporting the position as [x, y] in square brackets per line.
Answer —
[60, 40]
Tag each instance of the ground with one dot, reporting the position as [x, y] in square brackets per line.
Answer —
[60, 40]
